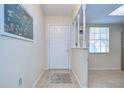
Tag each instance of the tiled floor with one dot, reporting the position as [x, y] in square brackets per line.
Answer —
[96, 79]
[57, 79]
[106, 79]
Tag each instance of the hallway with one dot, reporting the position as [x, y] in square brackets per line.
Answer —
[44, 46]
[58, 79]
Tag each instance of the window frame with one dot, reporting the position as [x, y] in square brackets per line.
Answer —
[107, 52]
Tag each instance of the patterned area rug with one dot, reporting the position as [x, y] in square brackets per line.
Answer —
[59, 78]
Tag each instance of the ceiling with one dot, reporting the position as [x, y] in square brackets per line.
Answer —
[99, 14]
[95, 13]
[58, 9]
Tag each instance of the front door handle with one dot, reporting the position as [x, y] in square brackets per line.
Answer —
[67, 50]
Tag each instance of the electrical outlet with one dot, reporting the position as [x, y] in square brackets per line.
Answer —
[20, 81]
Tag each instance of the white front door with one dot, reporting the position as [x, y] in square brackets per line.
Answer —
[58, 46]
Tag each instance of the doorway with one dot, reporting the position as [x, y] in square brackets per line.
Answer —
[58, 46]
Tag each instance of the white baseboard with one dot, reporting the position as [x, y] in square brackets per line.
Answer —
[38, 78]
[104, 68]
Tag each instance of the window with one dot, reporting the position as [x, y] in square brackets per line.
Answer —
[99, 40]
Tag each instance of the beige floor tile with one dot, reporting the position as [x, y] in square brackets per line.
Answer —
[96, 79]
[43, 82]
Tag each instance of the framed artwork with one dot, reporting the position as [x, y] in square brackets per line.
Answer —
[18, 23]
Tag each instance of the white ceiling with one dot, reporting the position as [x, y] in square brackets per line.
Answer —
[99, 14]
[95, 13]
[58, 9]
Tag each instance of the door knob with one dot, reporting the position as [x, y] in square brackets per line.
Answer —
[67, 50]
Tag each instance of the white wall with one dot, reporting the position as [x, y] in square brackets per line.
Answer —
[19, 58]
[58, 20]
[79, 65]
[54, 20]
[111, 60]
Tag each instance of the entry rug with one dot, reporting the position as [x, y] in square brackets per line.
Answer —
[59, 78]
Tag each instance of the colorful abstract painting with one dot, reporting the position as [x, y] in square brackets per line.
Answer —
[17, 21]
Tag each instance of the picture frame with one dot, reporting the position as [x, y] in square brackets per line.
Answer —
[16, 22]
